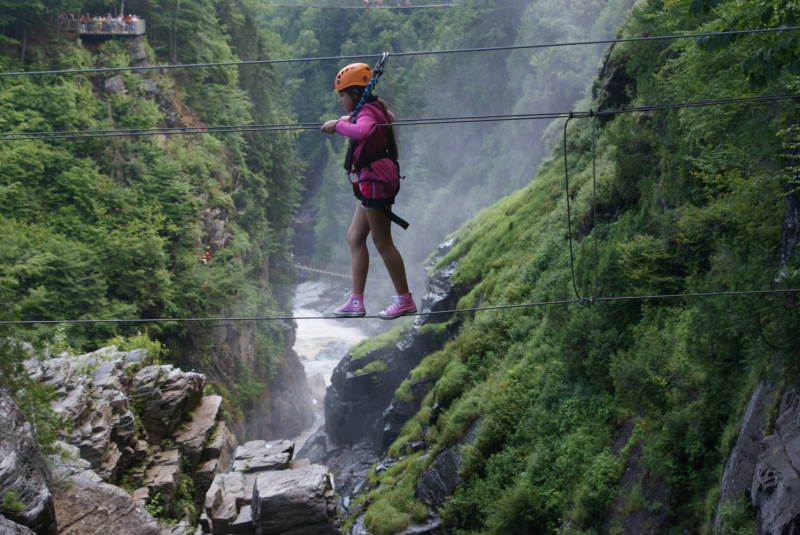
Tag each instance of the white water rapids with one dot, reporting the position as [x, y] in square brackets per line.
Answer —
[321, 344]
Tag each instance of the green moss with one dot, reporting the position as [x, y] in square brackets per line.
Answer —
[374, 366]
[433, 329]
[382, 341]
[403, 393]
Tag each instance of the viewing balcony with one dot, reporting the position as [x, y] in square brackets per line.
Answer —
[104, 28]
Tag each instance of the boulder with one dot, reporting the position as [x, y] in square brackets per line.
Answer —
[191, 438]
[166, 395]
[300, 502]
[115, 84]
[24, 471]
[775, 489]
[149, 86]
[741, 463]
[102, 509]
[137, 52]
[259, 456]
[8, 527]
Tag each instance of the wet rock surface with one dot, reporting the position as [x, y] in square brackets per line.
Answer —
[775, 489]
[741, 464]
[442, 477]
[355, 403]
[24, 471]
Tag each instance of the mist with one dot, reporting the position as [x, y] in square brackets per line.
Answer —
[452, 171]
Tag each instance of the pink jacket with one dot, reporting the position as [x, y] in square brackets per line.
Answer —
[382, 181]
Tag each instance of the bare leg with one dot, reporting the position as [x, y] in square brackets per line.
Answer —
[381, 228]
[359, 255]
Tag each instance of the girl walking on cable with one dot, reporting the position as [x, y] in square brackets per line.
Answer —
[374, 151]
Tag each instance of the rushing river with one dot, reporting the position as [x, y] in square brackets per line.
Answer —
[321, 344]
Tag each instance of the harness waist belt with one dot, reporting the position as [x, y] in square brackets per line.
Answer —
[382, 205]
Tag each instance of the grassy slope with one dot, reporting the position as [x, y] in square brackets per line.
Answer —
[691, 201]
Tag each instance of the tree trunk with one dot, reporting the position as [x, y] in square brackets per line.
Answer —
[24, 42]
[122, 8]
[175, 33]
[790, 233]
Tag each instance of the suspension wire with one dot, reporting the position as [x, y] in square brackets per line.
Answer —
[400, 122]
[569, 216]
[429, 313]
[419, 53]
[594, 204]
[361, 7]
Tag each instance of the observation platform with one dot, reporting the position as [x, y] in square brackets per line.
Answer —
[104, 28]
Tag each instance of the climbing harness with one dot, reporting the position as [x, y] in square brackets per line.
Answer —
[382, 205]
[591, 299]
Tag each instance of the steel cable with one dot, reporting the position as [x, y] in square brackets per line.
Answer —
[399, 54]
[9, 136]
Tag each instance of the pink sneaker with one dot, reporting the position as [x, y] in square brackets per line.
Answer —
[403, 305]
[354, 308]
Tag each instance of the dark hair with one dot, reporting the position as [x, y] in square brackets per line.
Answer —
[356, 91]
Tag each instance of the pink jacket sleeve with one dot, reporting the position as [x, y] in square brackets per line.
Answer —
[364, 126]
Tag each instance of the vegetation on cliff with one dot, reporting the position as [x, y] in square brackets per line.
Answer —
[117, 227]
[688, 201]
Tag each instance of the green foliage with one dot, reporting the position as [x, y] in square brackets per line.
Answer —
[374, 366]
[688, 201]
[155, 505]
[115, 227]
[10, 504]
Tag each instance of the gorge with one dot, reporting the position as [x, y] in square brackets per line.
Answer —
[513, 403]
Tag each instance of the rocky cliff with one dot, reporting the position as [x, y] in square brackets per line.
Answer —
[140, 441]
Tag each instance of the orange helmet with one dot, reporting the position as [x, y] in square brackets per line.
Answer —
[353, 74]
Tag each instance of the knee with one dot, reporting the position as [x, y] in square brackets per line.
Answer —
[355, 240]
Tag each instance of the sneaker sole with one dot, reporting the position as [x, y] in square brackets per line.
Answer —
[404, 313]
[349, 314]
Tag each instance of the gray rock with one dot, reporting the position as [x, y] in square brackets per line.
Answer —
[442, 478]
[192, 441]
[224, 501]
[115, 84]
[149, 86]
[426, 528]
[394, 417]
[741, 463]
[163, 477]
[775, 489]
[441, 295]
[8, 527]
[137, 52]
[259, 456]
[166, 395]
[300, 502]
[92, 399]
[24, 471]
[221, 446]
[102, 509]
